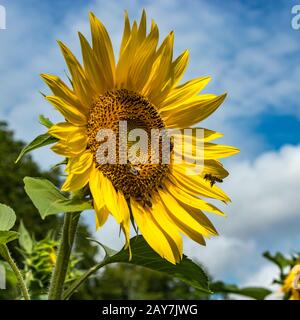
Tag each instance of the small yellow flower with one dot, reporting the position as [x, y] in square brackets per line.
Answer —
[143, 89]
[291, 285]
[53, 256]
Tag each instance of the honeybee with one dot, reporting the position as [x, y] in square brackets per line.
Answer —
[135, 170]
[148, 203]
[144, 200]
[212, 179]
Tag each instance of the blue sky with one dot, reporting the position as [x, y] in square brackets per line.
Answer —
[250, 50]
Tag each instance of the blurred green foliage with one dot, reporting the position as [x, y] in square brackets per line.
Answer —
[12, 187]
[124, 281]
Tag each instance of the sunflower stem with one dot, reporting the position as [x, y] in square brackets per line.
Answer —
[4, 252]
[63, 255]
[74, 286]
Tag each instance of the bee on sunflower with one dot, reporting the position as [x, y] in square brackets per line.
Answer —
[142, 88]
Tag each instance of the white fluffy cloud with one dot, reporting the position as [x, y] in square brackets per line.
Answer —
[221, 255]
[264, 215]
[265, 192]
[263, 277]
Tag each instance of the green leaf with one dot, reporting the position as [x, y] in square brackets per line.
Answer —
[25, 240]
[108, 251]
[45, 121]
[279, 259]
[7, 217]
[49, 200]
[40, 141]
[142, 255]
[7, 236]
[61, 163]
[251, 292]
[9, 274]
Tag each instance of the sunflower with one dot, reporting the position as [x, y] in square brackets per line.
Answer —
[143, 89]
[291, 284]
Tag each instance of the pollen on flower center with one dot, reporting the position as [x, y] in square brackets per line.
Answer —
[106, 112]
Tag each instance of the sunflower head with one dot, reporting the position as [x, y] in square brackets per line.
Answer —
[108, 111]
[108, 103]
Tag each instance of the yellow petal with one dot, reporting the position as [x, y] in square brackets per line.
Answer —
[206, 150]
[215, 168]
[96, 187]
[179, 66]
[161, 217]
[142, 61]
[126, 58]
[192, 102]
[73, 140]
[75, 182]
[126, 33]
[125, 225]
[142, 27]
[209, 135]
[184, 226]
[80, 164]
[189, 200]
[70, 112]
[192, 112]
[62, 149]
[212, 167]
[199, 216]
[111, 199]
[178, 213]
[103, 49]
[65, 131]
[67, 150]
[155, 88]
[101, 216]
[183, 92]
[197, 139]
[81, 86]
[217, 151]
[168, 41]
[196, 185]
[105, 197]
[94, 72]
[60, 89]
[155, 236]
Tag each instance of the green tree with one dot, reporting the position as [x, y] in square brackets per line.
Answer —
[12, 187]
